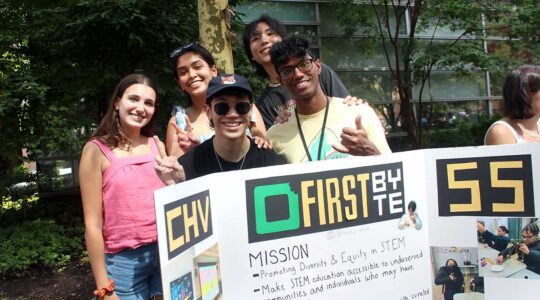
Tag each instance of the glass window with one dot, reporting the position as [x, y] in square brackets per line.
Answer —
[56, 175]
[284, 11]
[374, 86]
[450, 85]
[330, 21]
[425, 29]
[354, 53]
[307, 31]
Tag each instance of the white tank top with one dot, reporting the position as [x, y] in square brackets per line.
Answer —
[516, 135]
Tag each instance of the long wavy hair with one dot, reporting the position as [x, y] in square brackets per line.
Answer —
[110, 130]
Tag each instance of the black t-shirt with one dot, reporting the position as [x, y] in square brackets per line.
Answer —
[202, 160]
[274, 97]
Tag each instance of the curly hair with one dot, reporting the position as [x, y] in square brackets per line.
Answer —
[289, 48]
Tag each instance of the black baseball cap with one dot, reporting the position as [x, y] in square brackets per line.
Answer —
[228, 83]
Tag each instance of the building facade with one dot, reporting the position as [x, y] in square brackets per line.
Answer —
[362, 65]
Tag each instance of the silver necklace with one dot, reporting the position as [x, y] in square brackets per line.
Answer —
[219, 163]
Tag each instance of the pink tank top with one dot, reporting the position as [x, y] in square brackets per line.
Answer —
[129, 218]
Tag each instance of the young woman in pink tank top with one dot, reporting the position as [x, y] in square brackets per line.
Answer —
[117, 180]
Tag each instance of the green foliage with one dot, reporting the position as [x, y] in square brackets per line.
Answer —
[462, 23]
[17, 204]
[60, 63]
[17, 191]
[37, 243]
[464, 132]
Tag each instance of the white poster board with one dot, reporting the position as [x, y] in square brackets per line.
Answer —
[322, 229]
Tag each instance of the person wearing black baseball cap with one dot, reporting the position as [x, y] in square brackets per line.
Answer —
[229, 105]
[193, 67]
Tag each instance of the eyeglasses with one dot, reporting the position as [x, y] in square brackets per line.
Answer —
[222, 108]
[179, 51]
[304, 66]
[526, 237]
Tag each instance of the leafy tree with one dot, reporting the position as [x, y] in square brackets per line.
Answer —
[60, 63]
[413, 54]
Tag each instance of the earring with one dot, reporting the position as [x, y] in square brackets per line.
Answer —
[211, 123]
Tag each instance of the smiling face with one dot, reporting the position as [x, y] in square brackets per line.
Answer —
[232, 124]
[136, 106]
[194, 74]
[302, 85]
[261, 41]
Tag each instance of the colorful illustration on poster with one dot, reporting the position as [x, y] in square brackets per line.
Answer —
[182, 288]
[208, 275]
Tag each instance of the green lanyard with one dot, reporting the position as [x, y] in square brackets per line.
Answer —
[322, 131]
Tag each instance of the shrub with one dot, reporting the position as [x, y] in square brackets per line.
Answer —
[39, 243]
[464, 132]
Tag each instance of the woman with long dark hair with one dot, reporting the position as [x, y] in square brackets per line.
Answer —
[193, 67]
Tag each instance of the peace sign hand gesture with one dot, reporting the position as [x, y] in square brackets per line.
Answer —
[186, 140]
[167, 167]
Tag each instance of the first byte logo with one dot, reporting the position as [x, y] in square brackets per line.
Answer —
[294, 205]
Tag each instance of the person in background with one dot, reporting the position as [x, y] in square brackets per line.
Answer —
[229, 108]
[410, 219]
[193, 67]
[321, 127]
[529, 249]
[451, 278]
[275, 101]
[117, 181]
[498, 242]
[521, 109]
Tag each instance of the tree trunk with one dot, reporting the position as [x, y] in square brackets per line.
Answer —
[409, 119]
[214, 31]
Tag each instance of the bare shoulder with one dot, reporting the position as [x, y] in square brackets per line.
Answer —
[91, 149]
[92, 153]
[500, 134]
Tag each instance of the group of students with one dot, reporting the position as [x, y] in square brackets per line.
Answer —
[220, 130]
[451, 277]
[528, 249]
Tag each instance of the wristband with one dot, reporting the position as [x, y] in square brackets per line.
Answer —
[100, 294]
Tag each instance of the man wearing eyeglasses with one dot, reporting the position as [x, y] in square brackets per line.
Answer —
[529, 249]
[321, 127]
[229, 106]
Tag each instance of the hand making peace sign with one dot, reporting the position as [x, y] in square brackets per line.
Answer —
[167, 167]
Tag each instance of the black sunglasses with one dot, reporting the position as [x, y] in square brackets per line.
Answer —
[179, 51]
[222, 108]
